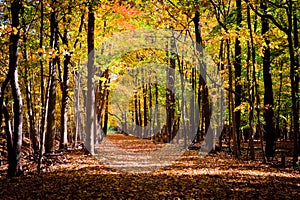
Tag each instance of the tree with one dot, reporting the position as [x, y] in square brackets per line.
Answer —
[50, 134]
[33, 134]
[65, 87]
[14, 137]
[289, 8]
[90, 106]
[65, 77]
[268, 96]
[238, 71]
[170, 94]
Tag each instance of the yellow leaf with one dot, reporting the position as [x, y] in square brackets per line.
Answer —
[41, 50]
[15, 31]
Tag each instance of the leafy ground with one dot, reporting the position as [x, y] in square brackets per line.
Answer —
[217, 176]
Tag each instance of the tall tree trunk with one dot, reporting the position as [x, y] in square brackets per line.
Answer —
[255, 91]
[294, 80]
[150, 108]
[231, 103]
[221, 68]
[63, 144]
[251, 88]
[296, 46]
[30, 112]
[257, 105]
[183, 102]
[50, 134]
[268, 95]
[136, 114]
[157, 112]
[170, 95]
[144, 88]
[90, 105]
[140, 129]
[279, 102]
[15, 161]
[199, 133]
[43, 103]
[65, 81]
[105, 126]
[251, 112]
[64, 107]
[203, 91]
[238, 86]
[77, 113]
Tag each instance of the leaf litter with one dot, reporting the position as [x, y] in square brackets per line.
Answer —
[216, 176]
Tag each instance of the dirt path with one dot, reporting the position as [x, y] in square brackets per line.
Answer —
[217, 176]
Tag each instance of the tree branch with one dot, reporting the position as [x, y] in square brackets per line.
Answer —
[268, 16]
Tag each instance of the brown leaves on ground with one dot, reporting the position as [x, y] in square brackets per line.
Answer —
[217, 176]
[133, 144]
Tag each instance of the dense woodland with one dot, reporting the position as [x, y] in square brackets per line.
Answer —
[52, 88]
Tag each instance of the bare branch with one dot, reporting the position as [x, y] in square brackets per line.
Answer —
[217, 9]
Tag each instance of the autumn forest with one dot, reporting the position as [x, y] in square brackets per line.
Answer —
[158, 99]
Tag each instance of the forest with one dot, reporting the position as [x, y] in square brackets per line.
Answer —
[157, 99]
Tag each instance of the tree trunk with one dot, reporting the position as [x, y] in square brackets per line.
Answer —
[201, 83]
[251, 54]
[268, 95]
[43, 103]
[170, 96]
[294, 89]
[238, 68]
[15, 160]
[296, 46]
[251, 96]
[157, 113]
[203, 91]
[221, 68]
[105, 126]
[64, 107]
[150, 108]
[90, 105]
[65, 82]
[231, 104]
[50, 134]
[144, 88]
[293, 42]
[30, 112]
[279, 103]
[76, 107]
[63, 144]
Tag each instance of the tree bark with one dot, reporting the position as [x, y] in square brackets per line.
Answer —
[15, 160]
[63, 144]
[296, 46]
[238, 86]
[170, 96]
[43, 104]
[90, 105]
[144, 88]
[268, 91]
[50, 134]
[30, 112]
[251, 54]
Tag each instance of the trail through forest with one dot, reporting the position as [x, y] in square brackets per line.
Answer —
[75, 175]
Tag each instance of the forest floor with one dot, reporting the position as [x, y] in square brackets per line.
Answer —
[75, 175]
